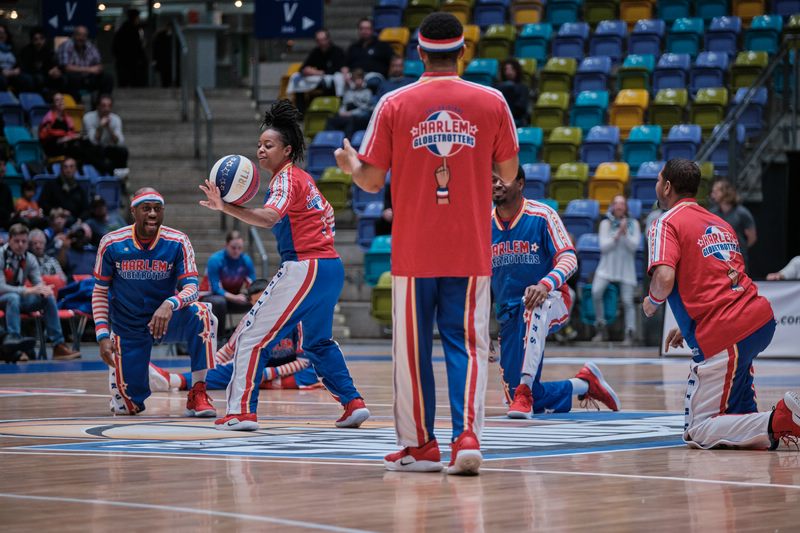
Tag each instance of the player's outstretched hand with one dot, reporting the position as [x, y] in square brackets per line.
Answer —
[674, 340]
[535, 295]
[158, 324]
[214, 197]
[346, 157]
[107, 352]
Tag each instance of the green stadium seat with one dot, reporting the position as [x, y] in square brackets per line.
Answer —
[550, 110]
[569, 182]
[636, 71]
[669, 108]
[335, 186]
[381, 307]
[497, 42]
[747, 68]
[708, 108]
[417, 10]
[562, 146]
[557, 74]
[318, 113]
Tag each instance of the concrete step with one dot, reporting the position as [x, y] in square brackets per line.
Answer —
[360, 322]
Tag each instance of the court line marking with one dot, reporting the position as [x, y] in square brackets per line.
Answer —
[376, 464]
[190, 510]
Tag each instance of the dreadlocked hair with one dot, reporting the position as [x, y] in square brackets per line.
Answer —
[283, 117]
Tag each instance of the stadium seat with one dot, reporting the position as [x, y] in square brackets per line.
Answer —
[361, 199]
[643, 185]
[358, 137]
[482, 70]
[318, 113]
[580, 217]
[709, 9]
[723, 35]
[635, 72]
[642, 145]
[534, 41]
[709, 71]
[472, 34]
[609, 39]
[26, 148]
[720, 155]
[488, 12]
[753, 117]
[460, 9]
[550, 202]
[748, 9]
[589, 110]
[747, 68]
[600, 146]
[320, 152]
[558, 12]
[11, 110]
[569, 182]
[786, 8]
[388, 14]
[365, 227]
[562, 146]
[672, 71]
[764, 34]
[671, 10]
[377, 259]
[706, 179]
[293, 68]
[682, 141]
[334, 185]
[596, 11]
[588, 248]
[75, 111]
[708, 108]
[41, 180]
[528, 65]
[413, 41]
[530, 143]
[557, 74]
[537, 177]
[381, 303]
[109, 188]
[570, 41]
[417, 10]
[685, 36]
[526, 11]
[669, 108]
[646, 37]
[397, 38]
[632, 11]
[628, 109]
[413, 68]
[497, 42]
[550, 110]
[610, 179]
[592, 74]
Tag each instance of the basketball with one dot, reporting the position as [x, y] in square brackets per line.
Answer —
[237, 179]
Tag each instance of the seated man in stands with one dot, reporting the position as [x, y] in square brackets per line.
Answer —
[56, 231]
[65, 192]
[103, 129]
[356, 108]
[48, 265]
[395, 79]
[82, 65]
[100, 221]
[368, 53]
[39, 65]
[321, 72]
[20, 266]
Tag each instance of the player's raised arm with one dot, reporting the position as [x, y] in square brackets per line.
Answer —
[259, 216]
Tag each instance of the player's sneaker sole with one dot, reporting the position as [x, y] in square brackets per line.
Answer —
[413, 466]
[599, 375]
[237, 425]
[467, 463]
[356, 418]
[208, 413]
[518, 415]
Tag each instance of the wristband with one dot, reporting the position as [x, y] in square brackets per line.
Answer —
[442, 192]
[655, 301]
[174, 302]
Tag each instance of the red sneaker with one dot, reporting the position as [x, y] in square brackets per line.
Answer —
[355, 413]
[425, 458]
[599, 389]
[465, 455]
[522, 406]
[240, 422]
[198, 403]
[785, 422]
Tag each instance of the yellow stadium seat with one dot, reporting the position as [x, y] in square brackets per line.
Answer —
[613, 171]
[397, 38]
[472, 34]
[747, 9]
[604, 191]
[632, 11]
[335, 186]
[321, 108]
[292, 69]
[460, 9]
[381, 308]
[628, 109]
[526, 12]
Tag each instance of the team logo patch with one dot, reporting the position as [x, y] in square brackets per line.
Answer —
[719, 244]
[444, 133]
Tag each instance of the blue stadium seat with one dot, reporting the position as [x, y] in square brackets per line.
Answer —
[320, 151]
[11, 110]
[709, 9]
[685, 36]
[592, 74]
[413, 68]
[719, 156]
[26, 148]
[643, 185]
[580, 217]
[753, 117]
[646, 37]
[671, 10]
[709, 71]
[358, 137]
[34, 106]
[534, 41]
[786, 8]
[682, 141]
[488, 12]
[600, 146]
[411, 47]
[482, 70]
[558, 12]
[642, 145]
[365, 228]
[588, 247]
[571, 40]
[40, 180]
[589, 110]
[764, 34]
[537, 177]
[608, 39]
[723, 35]
[672, 71]
[109, 188]
[378, 259]
[388, 14]
[361, 199]
[634, 208]
[530, 144]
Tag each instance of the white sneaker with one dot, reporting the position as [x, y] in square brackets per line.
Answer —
[239, 422]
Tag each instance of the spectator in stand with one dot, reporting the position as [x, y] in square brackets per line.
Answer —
[9, 68]
[516, 93]
[356, 108]
[728, 208]
[368, 53]
[790, 271]
[27, 209]
[48, 265]
[82, 66]
[65, 192]
[56, 231]
[321, 72]
[57, 133]
[20, 266]
[39, 65]
[78, 255]
[130, 58]
[103, 129]
[163, 45]
[101, 221]
[620, 236]
[396, 78]
[6, 198]
[229, 272]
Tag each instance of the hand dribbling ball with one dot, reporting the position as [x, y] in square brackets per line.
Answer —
[236, 177]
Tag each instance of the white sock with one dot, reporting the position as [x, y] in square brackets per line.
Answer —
[579, 386]
[198, 375]
[526, 379]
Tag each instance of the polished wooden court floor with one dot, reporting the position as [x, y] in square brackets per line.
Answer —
[66, 465]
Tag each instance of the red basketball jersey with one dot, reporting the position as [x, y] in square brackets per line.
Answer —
[439, 137]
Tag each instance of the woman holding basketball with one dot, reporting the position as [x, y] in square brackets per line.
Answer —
[307, 286]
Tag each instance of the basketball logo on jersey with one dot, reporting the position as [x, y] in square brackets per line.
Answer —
[314, 198]
[723, 246]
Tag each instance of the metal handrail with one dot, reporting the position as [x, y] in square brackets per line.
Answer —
[255, 240]
[200, 103]
[184, 49]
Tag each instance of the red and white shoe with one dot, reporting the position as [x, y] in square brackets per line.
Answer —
[198, 402]
[785, 422]
[599, 389]
[355, 413]
[522, 405]
[425, 458]
[240, 422]
[465, 455]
